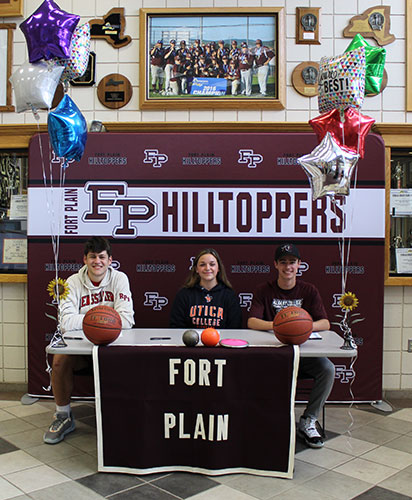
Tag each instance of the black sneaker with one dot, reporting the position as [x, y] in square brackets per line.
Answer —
[62, 424]
[308, 431]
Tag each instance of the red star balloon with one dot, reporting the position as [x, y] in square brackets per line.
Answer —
[49, 31]
[349, 132]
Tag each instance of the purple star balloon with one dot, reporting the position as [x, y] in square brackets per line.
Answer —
[49, 31]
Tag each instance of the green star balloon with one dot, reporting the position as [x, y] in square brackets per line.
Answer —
[375, 63]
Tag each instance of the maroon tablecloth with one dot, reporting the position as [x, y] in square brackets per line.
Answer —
[207, 410]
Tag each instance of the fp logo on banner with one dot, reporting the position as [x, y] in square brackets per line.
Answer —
[249, 157]
[345, 375]
[154, 300]
[58, 159]
[245, 300]
[336, 299]
[303, 267]
[153, 156]
[107, 196]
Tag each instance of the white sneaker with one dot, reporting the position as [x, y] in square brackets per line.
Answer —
[308, 431]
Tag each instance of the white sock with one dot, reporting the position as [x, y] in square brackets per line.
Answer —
[63, 409]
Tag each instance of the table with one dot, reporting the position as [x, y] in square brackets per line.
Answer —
[329, 345]
[199, 409]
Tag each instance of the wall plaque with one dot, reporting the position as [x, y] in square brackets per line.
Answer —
[307, 25]
[89, 77]
[111, 28]
[373, 23]
[114, 91]
[305, 78]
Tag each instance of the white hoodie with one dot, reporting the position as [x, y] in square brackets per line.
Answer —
[113, 291]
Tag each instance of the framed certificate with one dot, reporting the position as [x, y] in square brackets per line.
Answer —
[15, 251]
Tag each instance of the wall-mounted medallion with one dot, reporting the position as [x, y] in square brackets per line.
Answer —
[114, 91]
[305, 78]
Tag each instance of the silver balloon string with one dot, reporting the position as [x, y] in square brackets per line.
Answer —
[342, 119]
[344, 249]
[348, 433]
[53, 211]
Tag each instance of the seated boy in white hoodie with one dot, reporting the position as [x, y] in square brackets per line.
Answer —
[96, 283]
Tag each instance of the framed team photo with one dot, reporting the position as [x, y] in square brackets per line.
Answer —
[216, 58]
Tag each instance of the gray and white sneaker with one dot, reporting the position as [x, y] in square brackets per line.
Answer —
[62, 424]
[308, 431]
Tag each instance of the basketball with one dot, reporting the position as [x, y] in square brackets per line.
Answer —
[210, 337]
[292, 325]
[102, 325]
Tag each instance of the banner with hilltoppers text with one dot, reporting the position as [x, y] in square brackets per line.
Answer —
[163, 197]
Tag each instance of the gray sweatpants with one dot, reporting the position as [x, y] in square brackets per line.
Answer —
[322, 370]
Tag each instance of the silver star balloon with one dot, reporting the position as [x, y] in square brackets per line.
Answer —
[329, 168]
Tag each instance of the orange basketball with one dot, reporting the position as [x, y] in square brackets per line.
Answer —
[210, 337]
[102, 325]
[293, 325]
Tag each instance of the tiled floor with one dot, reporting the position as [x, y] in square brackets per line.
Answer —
[367, 456]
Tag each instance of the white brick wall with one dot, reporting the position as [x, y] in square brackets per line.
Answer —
[335, 15]
[13, 336]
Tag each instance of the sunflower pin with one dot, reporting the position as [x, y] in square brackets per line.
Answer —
[58, 288]
[348, 301]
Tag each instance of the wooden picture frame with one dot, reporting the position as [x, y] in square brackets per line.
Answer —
[200, 88]
[11, 8]
[6, 56]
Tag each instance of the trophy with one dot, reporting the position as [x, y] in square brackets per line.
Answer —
[398, 174]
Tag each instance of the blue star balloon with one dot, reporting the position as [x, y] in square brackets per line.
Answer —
[67, 130]
[49, 31]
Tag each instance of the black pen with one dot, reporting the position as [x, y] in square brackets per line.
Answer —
[160, 338]
[72, 338]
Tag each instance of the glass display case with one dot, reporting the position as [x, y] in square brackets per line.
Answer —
[13, 211]
[400, 211]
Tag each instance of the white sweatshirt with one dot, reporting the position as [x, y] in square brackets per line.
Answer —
[113, 291]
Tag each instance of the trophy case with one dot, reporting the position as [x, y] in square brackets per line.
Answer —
[13, 211]
[398, 185]
[400, 213]
[14, 142]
